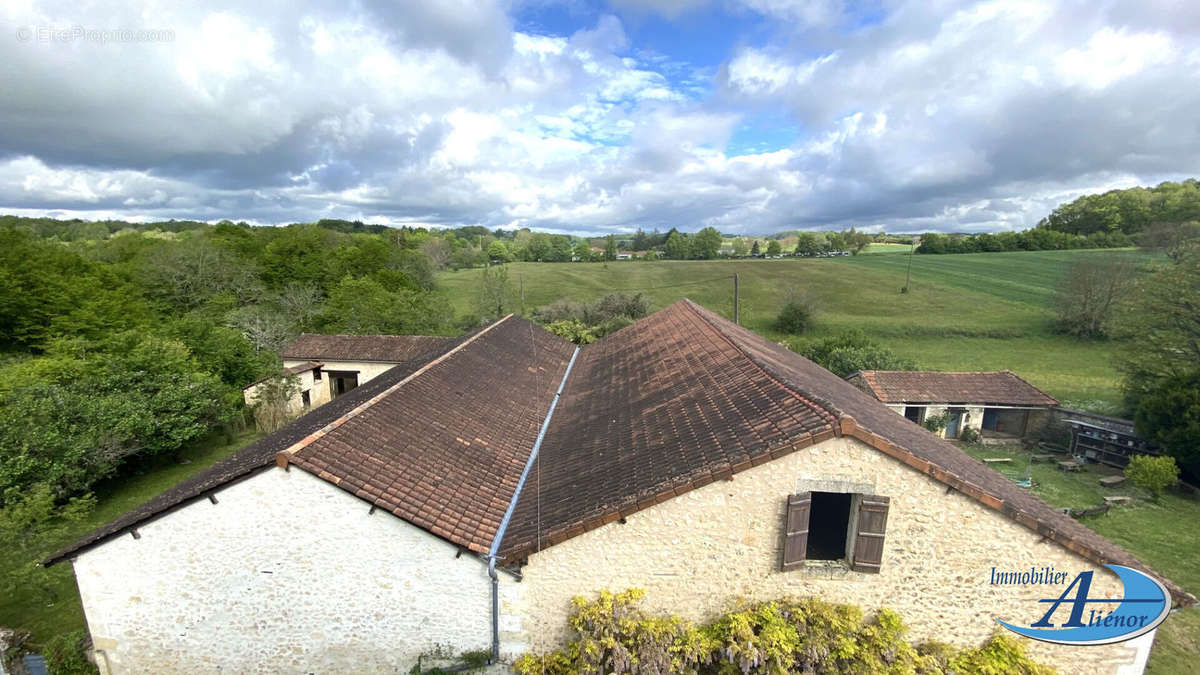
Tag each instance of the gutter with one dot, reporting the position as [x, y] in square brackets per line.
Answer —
[512, 506]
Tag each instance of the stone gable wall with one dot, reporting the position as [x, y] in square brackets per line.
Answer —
[698, 554]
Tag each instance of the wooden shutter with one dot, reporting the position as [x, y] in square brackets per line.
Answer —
[795, 530]
[868, 539]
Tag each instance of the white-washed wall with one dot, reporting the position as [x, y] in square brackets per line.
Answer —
[286, 573]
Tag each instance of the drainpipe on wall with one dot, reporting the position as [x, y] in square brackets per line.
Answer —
[512, 505]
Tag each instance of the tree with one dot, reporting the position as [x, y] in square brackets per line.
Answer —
[1173, 239]
[836, 241]
[1160, 327]
[497, 251]
[610, 248]
[706, 245]
[583, 252]
[365, 306]
[677, 247]
[71, 417]
[31, 521]
[773, 248]
[495, 294]
[807, 244]
[1154, 474]
[754, 250]
[272, 402]
[851, 352]
[438, 251]
[265, 327]
[740, 248]
[795, 317]
[640, 241]
[1087, 297]
[1168, 415]
[856, 241]
[187, 274]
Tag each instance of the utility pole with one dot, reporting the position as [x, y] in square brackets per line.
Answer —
[908, 275]
[735, 300]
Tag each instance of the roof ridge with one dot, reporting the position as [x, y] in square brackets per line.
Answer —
[830, 415]
[282, 457]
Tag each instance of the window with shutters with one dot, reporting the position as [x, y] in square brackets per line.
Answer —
[835, 526]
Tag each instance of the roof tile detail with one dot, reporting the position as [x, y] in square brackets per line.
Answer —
[386, 348]
[446, 449]
[661, 406]
[929, 386]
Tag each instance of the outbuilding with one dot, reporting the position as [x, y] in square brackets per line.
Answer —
[998, 405]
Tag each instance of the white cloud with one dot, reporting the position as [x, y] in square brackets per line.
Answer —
[934, 115]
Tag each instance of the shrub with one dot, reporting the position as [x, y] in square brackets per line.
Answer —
[574, 330]
[585, 323]
[936, 423]
[66, 654]
[811, 636]
[795, 317]
[852, 351]
[968, 436]
[1152, 473]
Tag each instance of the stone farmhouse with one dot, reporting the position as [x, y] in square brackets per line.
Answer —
[999, 406]
[464, 500]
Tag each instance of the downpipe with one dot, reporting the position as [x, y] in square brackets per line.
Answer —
[512, 505]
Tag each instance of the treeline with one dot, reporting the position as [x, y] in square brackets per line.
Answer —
[1160, 217]
[1037, 239]
[1127, 211]
[123, 341]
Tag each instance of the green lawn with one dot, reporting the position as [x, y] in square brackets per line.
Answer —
[45, 616]
[964, 312]
[1150, 531]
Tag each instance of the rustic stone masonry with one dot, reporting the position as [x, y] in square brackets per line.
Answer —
[698, 554]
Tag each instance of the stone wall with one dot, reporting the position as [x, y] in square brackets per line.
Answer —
[699, 553]
[367, 370]
[285, 573]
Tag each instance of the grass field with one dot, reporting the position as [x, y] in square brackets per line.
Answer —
[1151, 531]
[983, 311]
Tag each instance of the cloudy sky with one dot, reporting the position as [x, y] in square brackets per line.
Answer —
[593, 117]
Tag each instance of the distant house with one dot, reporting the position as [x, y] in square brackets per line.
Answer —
[998, 405]
[463, 500]
[348, 361]
[311, 390]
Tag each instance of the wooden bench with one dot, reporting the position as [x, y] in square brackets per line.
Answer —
[998, 460]
[1112, 481]
[1070, 465]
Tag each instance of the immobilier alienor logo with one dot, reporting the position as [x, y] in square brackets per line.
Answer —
[1089, 620]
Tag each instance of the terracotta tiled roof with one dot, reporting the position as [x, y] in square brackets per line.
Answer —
[665, 404]
[386, 348]
[930, 386]
[444, 450]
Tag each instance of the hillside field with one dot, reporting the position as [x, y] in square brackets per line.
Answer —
[984, 311]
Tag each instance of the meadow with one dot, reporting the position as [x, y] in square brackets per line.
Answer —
[986, 311]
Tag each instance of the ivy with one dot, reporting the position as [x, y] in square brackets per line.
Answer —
[783, 636]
